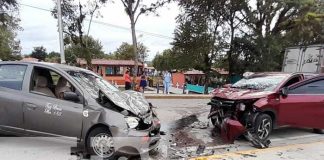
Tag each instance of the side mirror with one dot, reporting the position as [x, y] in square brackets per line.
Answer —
[71, 96]
[284, 91]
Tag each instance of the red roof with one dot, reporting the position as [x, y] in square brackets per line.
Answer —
[109, 62]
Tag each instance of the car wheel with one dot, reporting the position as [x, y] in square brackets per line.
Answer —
[263, 127]
[100, 143]
[318, 131]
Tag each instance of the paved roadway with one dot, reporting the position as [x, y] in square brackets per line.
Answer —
[181, 139]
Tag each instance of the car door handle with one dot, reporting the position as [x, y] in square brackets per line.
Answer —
[31, 106]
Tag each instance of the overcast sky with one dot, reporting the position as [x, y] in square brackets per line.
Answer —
[40, 28]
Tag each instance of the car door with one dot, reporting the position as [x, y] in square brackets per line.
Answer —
[304, 105]
[11, 94]
[48, 115]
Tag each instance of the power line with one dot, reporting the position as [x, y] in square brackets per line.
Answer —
[106, 24]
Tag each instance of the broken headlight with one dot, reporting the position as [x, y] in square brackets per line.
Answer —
[241, 107]
[132, 122]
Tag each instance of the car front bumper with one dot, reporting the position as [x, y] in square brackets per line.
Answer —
[139, 141]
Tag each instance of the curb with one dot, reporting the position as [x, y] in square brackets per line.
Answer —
[178, 96]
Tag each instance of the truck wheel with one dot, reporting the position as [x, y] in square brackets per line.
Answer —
[263, 127]
[100, 143]
[318, 131]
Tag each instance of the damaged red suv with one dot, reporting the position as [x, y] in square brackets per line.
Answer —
[260, 102]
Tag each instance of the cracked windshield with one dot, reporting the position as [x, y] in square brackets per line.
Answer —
[161, 79]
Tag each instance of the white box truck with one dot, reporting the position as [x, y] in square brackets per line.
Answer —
[304, 59]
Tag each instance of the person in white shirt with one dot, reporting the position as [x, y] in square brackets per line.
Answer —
[167, 78]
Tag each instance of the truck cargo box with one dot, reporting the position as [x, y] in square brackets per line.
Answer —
[304, 59]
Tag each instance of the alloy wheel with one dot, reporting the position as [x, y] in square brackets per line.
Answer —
[264, 129]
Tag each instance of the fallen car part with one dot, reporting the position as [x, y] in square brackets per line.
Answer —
[232, 129]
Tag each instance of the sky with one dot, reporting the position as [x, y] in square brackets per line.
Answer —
[40, 28]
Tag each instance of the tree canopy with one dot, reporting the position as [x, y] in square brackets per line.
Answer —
[125, 52]
[39, 53]
[243, 35]
[74, 51]
[74, 13]
[9, 46]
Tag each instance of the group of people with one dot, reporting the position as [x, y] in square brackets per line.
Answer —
[128, 82]
[167, 80]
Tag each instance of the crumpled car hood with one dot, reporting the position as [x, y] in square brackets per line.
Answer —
[129, 100]
[237, 94]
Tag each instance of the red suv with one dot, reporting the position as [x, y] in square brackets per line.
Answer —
[260, 102]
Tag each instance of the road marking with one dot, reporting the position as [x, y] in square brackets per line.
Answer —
[254, 152]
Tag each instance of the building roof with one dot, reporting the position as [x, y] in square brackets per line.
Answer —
[194, 72]
[109, 62]
[221, 71]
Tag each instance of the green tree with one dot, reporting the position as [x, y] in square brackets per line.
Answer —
[53, 57]
[164, 61]
[74, 51]
[125, 52]
[9, 46]
[74, 13]
[39, 53]
[251, 35]
[134, 9]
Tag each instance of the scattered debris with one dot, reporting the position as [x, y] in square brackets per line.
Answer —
[245, 155]
[200, 149]
[162, 133]
[200, 125]
[183, 139]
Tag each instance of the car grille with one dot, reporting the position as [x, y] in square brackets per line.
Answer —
[222, 102]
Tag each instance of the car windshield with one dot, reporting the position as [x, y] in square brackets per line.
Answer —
[264, 83]
[91, 82]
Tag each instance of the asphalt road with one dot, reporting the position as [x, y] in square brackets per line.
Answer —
[185, 125]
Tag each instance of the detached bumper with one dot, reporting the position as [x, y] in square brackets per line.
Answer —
[231, 129]
[139, 142]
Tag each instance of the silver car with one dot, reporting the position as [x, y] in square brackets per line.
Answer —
[45, 99]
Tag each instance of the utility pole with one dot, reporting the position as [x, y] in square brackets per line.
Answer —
[59, 18]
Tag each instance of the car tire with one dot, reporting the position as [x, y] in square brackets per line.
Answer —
[318, 131]
[100, 143]
[263, 127]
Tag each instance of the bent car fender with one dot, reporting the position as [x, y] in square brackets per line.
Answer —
[261, 102]
[231, 129]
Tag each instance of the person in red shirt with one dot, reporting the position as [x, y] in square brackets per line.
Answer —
[128, 81]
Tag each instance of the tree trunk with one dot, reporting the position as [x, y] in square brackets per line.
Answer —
[229, 54]
[207, 81]
[134, 50]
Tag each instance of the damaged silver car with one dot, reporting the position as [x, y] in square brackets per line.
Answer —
[44, 99]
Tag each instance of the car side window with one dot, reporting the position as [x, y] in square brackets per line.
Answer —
[292, 81]
[315, 87]
[12, 76]
[50, 83]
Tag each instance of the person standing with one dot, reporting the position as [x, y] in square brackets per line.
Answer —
[143, 83]
[166, 81]
[128, 81]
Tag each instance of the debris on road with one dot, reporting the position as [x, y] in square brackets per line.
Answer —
[200, 125]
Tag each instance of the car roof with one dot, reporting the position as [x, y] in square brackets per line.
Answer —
[55, 65]
[286, 74]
